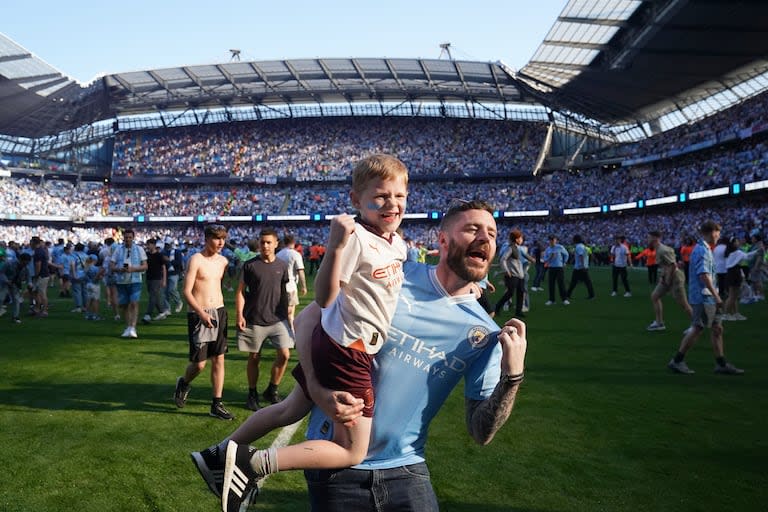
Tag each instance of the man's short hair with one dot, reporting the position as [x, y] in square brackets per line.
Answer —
[577, 239]
[459, 206]
[515, 234]
[128, 230]
[708, 226]
[655, 233]
[215, 231]
[268, 232]
[378, 166]
[289, 239]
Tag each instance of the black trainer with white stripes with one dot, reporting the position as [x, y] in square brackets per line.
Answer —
[210, 464]
[240, 484]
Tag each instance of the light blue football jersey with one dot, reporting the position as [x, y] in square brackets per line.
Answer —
[434, 341]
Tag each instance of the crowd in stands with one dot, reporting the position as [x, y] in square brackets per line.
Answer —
[320, 149]
[720, 126]
[743, 162]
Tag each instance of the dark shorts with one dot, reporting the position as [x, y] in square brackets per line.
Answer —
[734, 277]
[340, 368]
[202, 351]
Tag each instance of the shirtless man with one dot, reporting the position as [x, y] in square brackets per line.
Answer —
[206, 319]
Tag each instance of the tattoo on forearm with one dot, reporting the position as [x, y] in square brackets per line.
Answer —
[485, 417]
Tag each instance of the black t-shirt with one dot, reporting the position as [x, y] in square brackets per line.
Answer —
[155, 264]
[41, 254]
[266, 301]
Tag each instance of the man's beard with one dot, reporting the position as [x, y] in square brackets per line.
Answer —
[455, 260]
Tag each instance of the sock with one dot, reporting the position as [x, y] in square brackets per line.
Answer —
[253, 392]
[679, 357]
[264, 462]
[215, 400]
[720, 361]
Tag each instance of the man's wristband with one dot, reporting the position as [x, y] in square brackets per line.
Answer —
[512, 379]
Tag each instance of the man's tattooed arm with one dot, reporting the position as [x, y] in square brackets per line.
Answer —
[485, 417]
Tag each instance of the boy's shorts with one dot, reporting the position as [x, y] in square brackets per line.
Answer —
[93, 291]
[201, 351]
[340, 368]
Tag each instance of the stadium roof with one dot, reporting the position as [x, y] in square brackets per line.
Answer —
[619, 62]
[626, 61]
[323, 81]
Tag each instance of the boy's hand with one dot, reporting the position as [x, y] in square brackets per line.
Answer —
[341, 227]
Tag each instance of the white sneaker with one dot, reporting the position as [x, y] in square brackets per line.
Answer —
[628, 294]
[162, 316]
[77, 310]
[132, 333]
[525, 309]
[738, 316]
[548, 303]
[179, 308]
[117, 318]
[725, 317]
[126, 333]
[613, 294]
[566, 302]
[685, 332]
[655, 326]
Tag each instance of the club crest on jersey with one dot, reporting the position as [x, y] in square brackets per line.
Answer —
[478, 336]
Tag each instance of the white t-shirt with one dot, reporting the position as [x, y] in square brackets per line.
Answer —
[372, 273]
[718, 254]
[295, 262]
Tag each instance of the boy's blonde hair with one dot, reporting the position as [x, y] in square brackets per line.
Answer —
[379, 166]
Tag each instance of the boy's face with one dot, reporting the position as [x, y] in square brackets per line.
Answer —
[382, 203]
[267, 244]
[216, 243]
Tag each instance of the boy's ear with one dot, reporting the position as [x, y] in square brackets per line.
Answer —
[354, 199]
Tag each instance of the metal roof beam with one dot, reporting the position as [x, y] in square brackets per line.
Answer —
[329, 75]
[359, 69]
[396, 77]
[574, 44]
[18, 56]
[297, 76]
[229, 78]
[262, 76]
[594, 21]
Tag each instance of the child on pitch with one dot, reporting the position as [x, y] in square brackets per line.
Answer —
[357, 286]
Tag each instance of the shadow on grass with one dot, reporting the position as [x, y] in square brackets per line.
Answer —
[109, 397]
[456, 506]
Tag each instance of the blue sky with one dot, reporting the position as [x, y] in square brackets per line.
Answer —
[83, 39]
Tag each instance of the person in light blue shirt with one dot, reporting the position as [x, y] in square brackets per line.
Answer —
[555, 257]
[580, 268]
[706, 304]
[418, 367]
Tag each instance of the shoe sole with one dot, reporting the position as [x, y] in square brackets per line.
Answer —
[205, 472]
[675, 370]
[212, 415]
